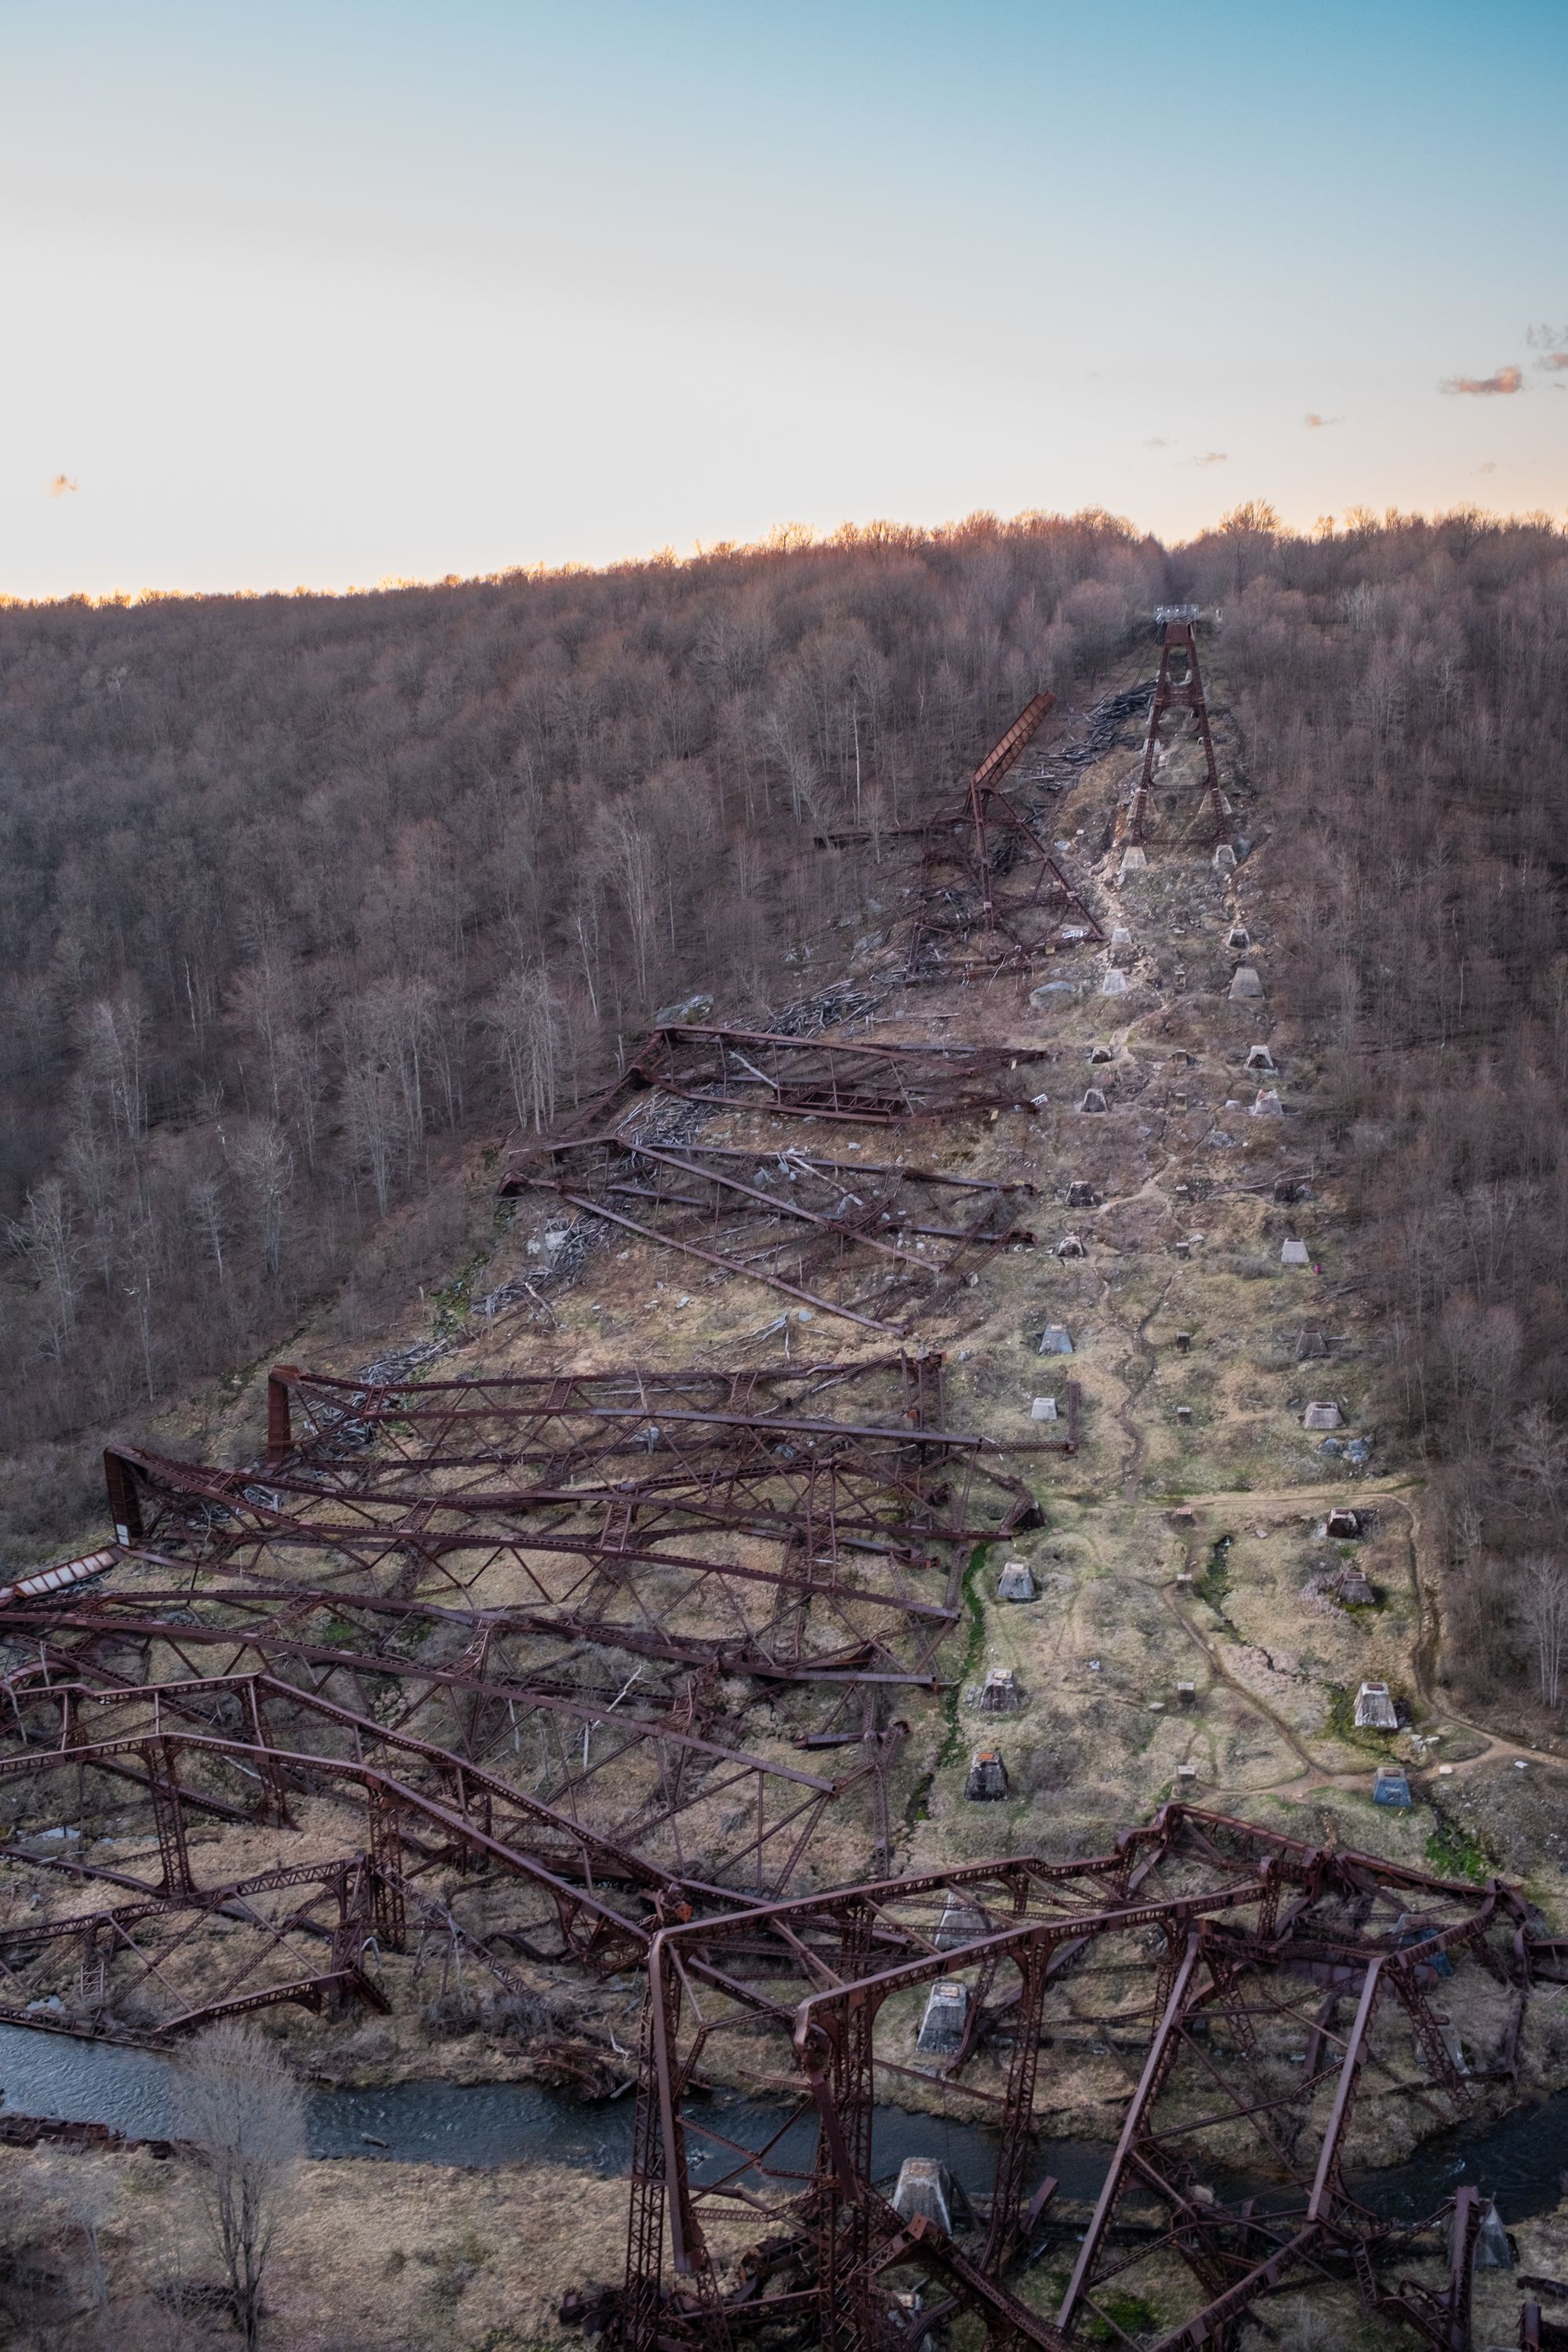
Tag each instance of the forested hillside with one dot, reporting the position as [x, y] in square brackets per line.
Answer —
[301, 893]
[306, 899]
[1404, 695]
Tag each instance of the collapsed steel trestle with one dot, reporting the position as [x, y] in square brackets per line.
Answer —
[1249, 1997]
[809, 1544]
[871, 1082]
[790, 1219]
[991, 900]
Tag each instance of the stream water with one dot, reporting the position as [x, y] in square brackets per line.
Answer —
[1520, 2160]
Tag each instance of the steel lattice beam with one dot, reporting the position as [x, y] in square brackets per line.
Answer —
[641, 1764]
[1179, 687]
[991, 900]
[838, 1570]
[547, 1418]
[1205, 1948]
[787, 1219]
[868, 1082]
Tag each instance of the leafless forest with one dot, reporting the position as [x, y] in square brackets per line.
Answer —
[1404, 691]
[308, 900]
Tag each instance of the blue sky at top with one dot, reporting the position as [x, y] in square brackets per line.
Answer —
[324, 294]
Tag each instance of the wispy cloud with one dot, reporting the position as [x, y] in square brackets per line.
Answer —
[1551, 343]
[1319, 423]
[62, 487]
[1489, 467]
[1506, 379]
[1211, 457]
[1157, 444]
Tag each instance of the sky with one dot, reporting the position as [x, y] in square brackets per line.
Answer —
[326, 294]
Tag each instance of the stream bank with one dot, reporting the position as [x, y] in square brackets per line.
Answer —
[1520, 2160]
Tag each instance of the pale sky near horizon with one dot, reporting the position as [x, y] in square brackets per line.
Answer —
[322, 294]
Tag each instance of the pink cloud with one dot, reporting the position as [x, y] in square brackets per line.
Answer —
[1507, 379]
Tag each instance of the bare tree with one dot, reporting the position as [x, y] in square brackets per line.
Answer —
[242, 2109]
[45, 1239]
[525, 1014]
[207, 1211]
[1544, 1592]
[631, 864]
[140, 1256]
[265, 1166]
[371, 1100]
[114, 1041]
[1541, 1456]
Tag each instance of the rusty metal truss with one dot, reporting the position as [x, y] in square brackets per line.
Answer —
[307, 1935]
[1250, 2003]
[990, 900]
[814, 1567]
[873, 1082]
[550, 1419]
[1180, 688]
[789, 1219]
[749, 1521]
[258, 1753]
[646, 1761]
[556, 1426]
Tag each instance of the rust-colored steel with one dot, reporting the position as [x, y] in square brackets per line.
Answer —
[1021, 733]
[244, 1748]
[804, 1561]
[991, 900]
[535, 1438]
[1204, 1961]
[641, 1762]
[866, 1082]
[1179, 687]
[549, 1417]
[381, 1488]
[863, 1227]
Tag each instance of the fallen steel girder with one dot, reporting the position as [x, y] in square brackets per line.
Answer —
[328, 1938]
[1179, 687]
[520, 1633]
[646, 1773]
[207, 1747]
[111, 1970]
[547, 1418]
[206, 1709]
[802, 1585]
[1204, 1962]
[573, 1450]
[555, 1423]
[991, 900]
[871, 1082]
[849, 1223]
[1002, 755]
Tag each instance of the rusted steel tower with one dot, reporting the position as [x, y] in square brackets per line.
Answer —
[1249, 1994]
[1179, 688]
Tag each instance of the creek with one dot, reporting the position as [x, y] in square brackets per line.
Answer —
[1519, 2160]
